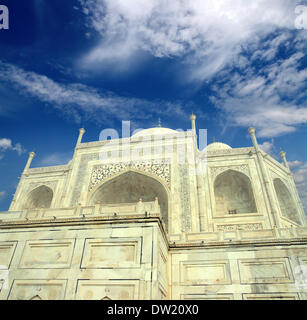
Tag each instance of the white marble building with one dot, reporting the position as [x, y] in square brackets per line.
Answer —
[152, 217]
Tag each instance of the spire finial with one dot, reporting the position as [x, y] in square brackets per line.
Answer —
[213, 139]
[159, 123]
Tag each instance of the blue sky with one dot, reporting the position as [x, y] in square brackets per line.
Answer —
[71, 64]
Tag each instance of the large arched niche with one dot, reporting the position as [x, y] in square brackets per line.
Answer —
[40, 197]
[233, 194]
[286, 203]
[129, 187]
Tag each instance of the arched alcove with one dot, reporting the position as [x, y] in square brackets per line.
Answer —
[286, 203]
[129, 187]
[40, 197]
[233, 194]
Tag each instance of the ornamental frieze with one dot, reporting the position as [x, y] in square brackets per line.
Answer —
[101, 172]
[229, 151]
[34, 185]
[215, 171]
[245, 227]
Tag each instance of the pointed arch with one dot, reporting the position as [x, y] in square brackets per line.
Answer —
[233, 193]
[40, 197]
[128, 187]
[36, 297]
[286, 202]
[106, 298]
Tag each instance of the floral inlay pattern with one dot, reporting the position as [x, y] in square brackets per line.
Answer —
[101, 172]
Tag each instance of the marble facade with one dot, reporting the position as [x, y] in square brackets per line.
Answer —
[228, 226]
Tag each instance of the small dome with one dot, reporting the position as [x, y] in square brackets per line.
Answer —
[155, 131]
[217, 146]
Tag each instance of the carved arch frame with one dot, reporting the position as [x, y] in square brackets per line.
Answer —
[244, 170]
[30, 189]
[290, 193]
[148, 174]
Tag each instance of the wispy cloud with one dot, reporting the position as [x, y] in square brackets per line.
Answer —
[267, 146]
[270, 98]
[56, 158]
[6, 144]
[231, 45]
[294, 164]
[206, 35]
[77, 100]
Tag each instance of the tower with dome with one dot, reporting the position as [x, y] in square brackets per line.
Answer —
[152, 216]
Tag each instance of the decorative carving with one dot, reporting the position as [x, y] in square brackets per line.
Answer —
[274, 176]
[229, 151]
[85, 158]
[185, 198]
[157, 167]
[32, 186]
[50, 184]
[285, 199]
[233, 193]
[49, 169]
[215, 171]
[245, 227]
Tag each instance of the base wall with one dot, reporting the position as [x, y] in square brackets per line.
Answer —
[134, 260]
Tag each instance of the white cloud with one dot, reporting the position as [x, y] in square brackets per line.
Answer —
[77, 100]
[270, 101]
[267, 146]
[6, 144]
[56, 158]
[2, 194]
[223, 39]
[294, 164]
[207, 34]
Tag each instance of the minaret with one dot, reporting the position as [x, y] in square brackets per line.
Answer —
[31, 156]
[193, 118]
[284, 160]
[267, 185]
[81, 133]
[27, 166]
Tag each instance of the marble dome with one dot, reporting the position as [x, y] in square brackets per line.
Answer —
[217, 146]
[154, 132]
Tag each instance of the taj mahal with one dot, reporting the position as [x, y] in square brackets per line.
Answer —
[152, 216]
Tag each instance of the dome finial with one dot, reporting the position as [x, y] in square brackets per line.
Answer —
[159, 123]
[213, 139]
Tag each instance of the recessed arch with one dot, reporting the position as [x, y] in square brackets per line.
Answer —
[40, 197]
[233, 193]
[128, 187]
[286, 202]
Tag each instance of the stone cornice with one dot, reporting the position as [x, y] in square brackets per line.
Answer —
[228, 244]
[48, 169]
[235, 151]
[294, 237]
[136, 140]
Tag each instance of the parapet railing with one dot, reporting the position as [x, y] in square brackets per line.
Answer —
[152, 210]
[115, 210]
